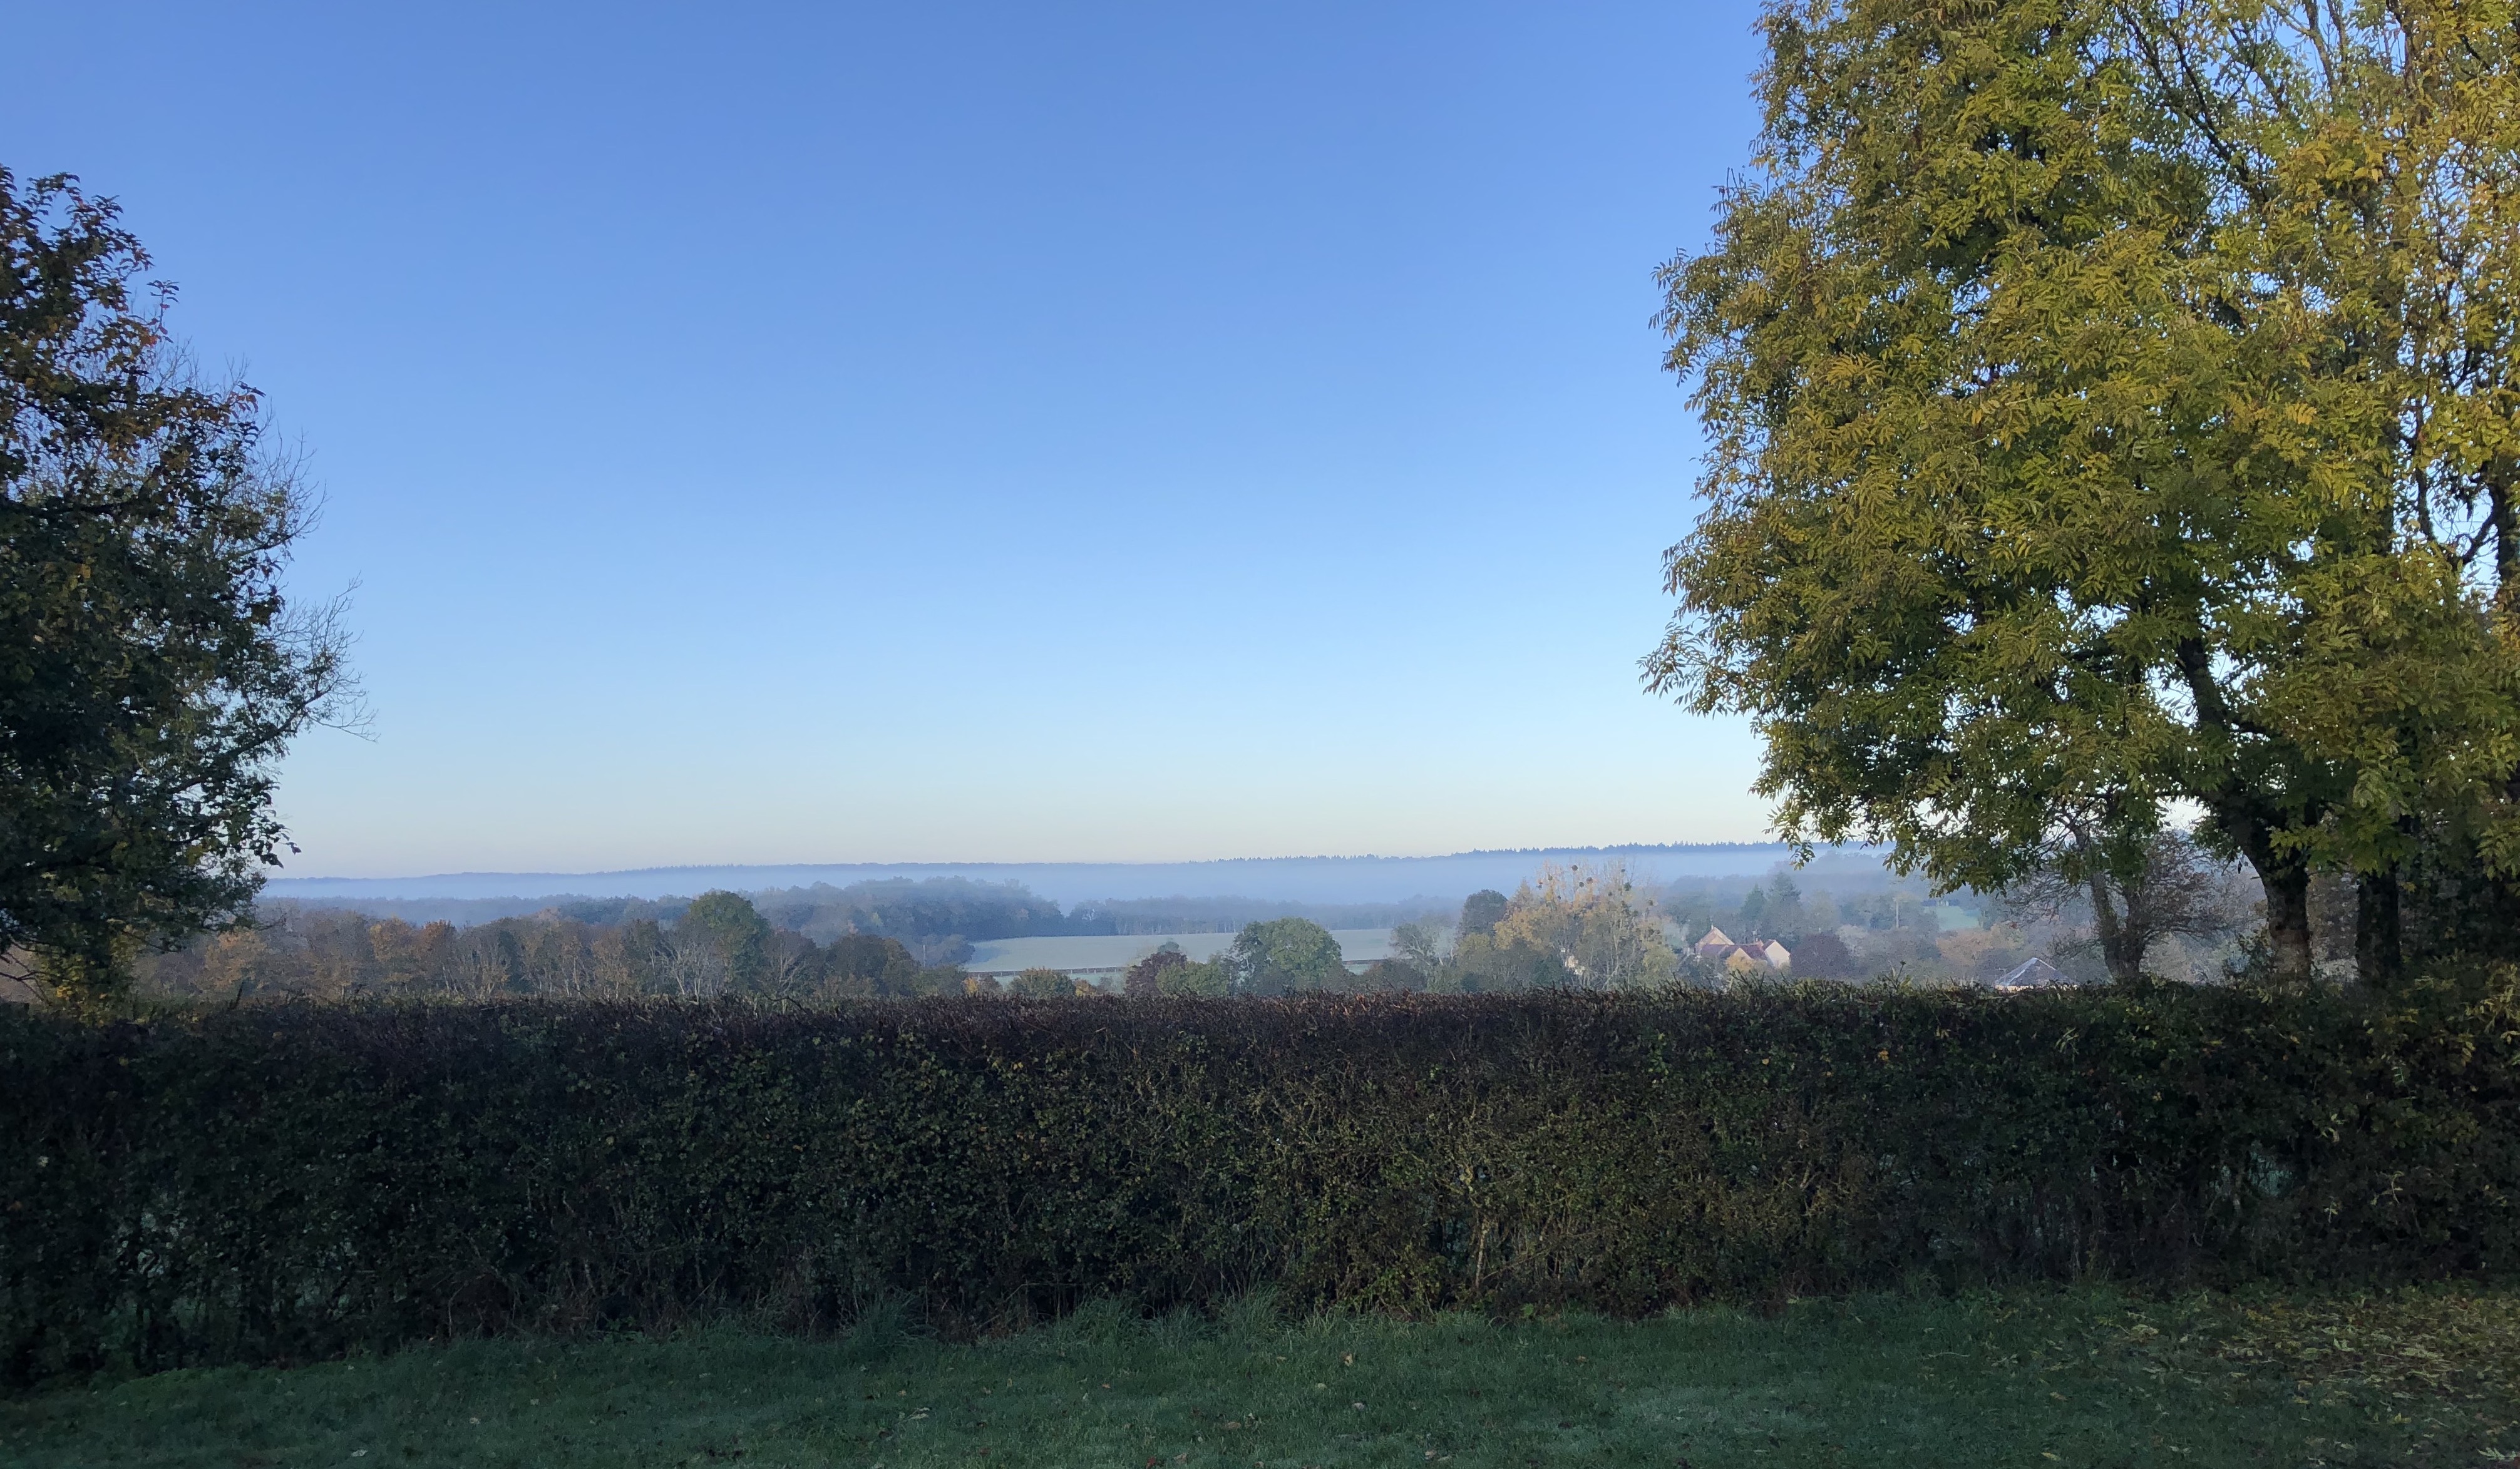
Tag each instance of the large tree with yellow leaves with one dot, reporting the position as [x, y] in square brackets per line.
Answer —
[2111, 406]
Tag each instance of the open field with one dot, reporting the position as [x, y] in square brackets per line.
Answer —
[2030, 1379]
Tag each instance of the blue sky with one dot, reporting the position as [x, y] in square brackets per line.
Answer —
[951, 431]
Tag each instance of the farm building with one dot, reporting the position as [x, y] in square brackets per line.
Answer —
[1719, 949]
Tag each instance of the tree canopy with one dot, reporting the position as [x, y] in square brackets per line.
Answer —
[735, 936]
[1481, 910]
[2110, 408]
[1285, 955]
[1593, 922]
[152, 672]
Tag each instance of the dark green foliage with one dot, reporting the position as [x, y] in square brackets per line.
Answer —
[1211, 979]
[1390, 976]
[1481, 910]
[1043, 983]
[1823, 955]
[862, 965]
[914, 910]
[150, 670]
[1753, 923]
[259, 1183]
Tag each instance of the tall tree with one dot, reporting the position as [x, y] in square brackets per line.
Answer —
[1425, 944]
[864, 964]
[1481, 912]
[2071, 450]
[1285, 955]
[1145, 979]
[1594, 921]
[2173, 889]
[152, 672]
[738, 937]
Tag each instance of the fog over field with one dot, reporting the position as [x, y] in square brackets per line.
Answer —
[1282, 879]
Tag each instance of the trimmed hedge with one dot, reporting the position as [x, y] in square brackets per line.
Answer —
[260, 1183]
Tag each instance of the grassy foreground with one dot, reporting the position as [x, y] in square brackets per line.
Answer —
[2032, 1379]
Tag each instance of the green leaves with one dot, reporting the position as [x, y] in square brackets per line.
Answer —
[151, 671]
[1284, 957]
[2076, 388]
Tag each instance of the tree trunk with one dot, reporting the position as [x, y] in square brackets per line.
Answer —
[2286, 882]
[2379, 949]
[2111, 933]
[2287, 885]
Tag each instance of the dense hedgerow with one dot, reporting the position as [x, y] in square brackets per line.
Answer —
[279, 1183]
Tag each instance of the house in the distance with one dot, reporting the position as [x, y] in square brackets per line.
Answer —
[2036, 974]
[1719, 949]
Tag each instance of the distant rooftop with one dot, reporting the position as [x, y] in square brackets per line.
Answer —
[2034, 974]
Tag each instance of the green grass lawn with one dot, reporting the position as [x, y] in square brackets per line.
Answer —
[2028, 1379]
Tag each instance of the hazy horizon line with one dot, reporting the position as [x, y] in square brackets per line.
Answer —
[1607, 849]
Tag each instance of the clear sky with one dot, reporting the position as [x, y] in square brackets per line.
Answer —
[950, 431]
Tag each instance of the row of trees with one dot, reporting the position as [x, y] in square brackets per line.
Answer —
[1567, 928]
[2114, 412]
[1570, 927]
[1270, 956]
[720, 943]
[935, 917]
[720, 946]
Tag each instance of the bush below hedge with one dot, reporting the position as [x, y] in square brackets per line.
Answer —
[260, 1184]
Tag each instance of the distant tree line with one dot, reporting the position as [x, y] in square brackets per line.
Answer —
[939, 918]
[629, 946]
[1567, 928]
[1577, 928]
[1232, 914]
[719, 944]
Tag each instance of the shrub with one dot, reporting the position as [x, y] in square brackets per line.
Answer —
[1046, 984]
[1211, 979]
[1145, 979]
[857, 966]
[1388, 976]
[260, 1182]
